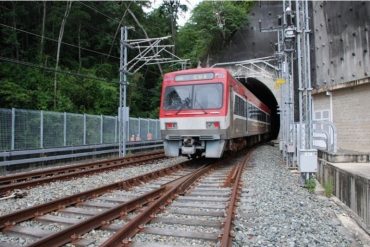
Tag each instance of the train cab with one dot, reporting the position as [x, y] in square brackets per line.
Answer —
[193, 112]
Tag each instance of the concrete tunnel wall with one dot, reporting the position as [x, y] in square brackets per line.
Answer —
[249, 43]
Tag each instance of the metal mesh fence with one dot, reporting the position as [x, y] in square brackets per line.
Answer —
[28, 129]
[109, 129]
[93, 129]
[143, 129]
[53, 129]
[5, 129]
[133, 129]
[152, 128]
[74, 129]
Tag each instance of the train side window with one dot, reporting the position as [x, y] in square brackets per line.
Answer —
[236, 105]
[242, 108]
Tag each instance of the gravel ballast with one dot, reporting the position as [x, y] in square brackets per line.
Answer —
[276, 211]
[55, 190]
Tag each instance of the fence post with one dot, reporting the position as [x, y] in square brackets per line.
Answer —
[139, 128]
[115, 130]
[65, 129]
[128, 129]
[156, 129]
[13, 130]
[84, 143]
[148, 128]
[101, 129]
[41, 129]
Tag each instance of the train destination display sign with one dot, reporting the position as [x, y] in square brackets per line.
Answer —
[195, 77]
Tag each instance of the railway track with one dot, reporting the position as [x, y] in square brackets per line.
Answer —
[118, 213]
[33, 178]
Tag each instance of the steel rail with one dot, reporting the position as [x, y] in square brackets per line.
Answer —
[25, 175]
[23, 180]
[226, 236]
[10, 220]
[178, 186]
[72, 233]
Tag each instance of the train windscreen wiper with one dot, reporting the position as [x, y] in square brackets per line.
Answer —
[201, 107]
[185, 103]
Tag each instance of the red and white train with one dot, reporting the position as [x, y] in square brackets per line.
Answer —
[205, 112]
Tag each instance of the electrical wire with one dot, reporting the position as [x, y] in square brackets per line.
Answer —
[10, 60]
[64, 43]
[98, 11]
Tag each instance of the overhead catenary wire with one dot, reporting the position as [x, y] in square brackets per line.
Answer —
[118, 28]
[98, 11]
[24, 63]
[54, 40]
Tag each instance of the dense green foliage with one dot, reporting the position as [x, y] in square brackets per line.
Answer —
[90, 47]
[211, 27]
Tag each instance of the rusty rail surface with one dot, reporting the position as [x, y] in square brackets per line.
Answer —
[72, 233]
[146, 205]
[226, 236]
[10, 220]
[28, 179]
[178, 186]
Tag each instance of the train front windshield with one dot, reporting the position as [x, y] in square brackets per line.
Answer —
[199, 96]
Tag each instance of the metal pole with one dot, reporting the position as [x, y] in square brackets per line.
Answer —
[41, 129]
[120, 144]
[13, 130]
[148, 127]
[139, 129]
[308, 73]
[128, 129]
[300, 86]
[65, 130]
[115, 129]
[156, 129]
[122, 99]
[101, 129]
[84, 141]
[125, 92]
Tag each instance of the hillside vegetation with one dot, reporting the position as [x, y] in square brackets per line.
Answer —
[64, 56]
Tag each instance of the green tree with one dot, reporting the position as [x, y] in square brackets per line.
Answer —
[211, 27]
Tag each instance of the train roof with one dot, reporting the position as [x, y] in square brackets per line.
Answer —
[197, 70]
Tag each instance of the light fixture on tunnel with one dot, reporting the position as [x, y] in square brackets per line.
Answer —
[289, 34]
[289, 38]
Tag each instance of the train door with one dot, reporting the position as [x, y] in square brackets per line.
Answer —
[231, 110]
[246, 116]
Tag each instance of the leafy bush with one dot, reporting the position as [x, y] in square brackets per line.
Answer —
[329, 187]
[310, 184]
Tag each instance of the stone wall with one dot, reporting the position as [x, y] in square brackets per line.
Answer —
[249, 42]
[341, 41]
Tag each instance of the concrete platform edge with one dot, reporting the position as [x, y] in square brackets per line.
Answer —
[351, 189]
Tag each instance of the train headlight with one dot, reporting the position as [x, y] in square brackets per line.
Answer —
[213, 125]
[171, 126]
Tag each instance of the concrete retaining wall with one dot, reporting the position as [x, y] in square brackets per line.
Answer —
[344, 157]
[353, 190]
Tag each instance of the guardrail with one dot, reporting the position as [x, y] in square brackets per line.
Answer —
[19, 157]
[325, 135]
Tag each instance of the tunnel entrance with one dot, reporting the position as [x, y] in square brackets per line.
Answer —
[264, 94]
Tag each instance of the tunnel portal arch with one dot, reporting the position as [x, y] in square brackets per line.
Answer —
[259, 75]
